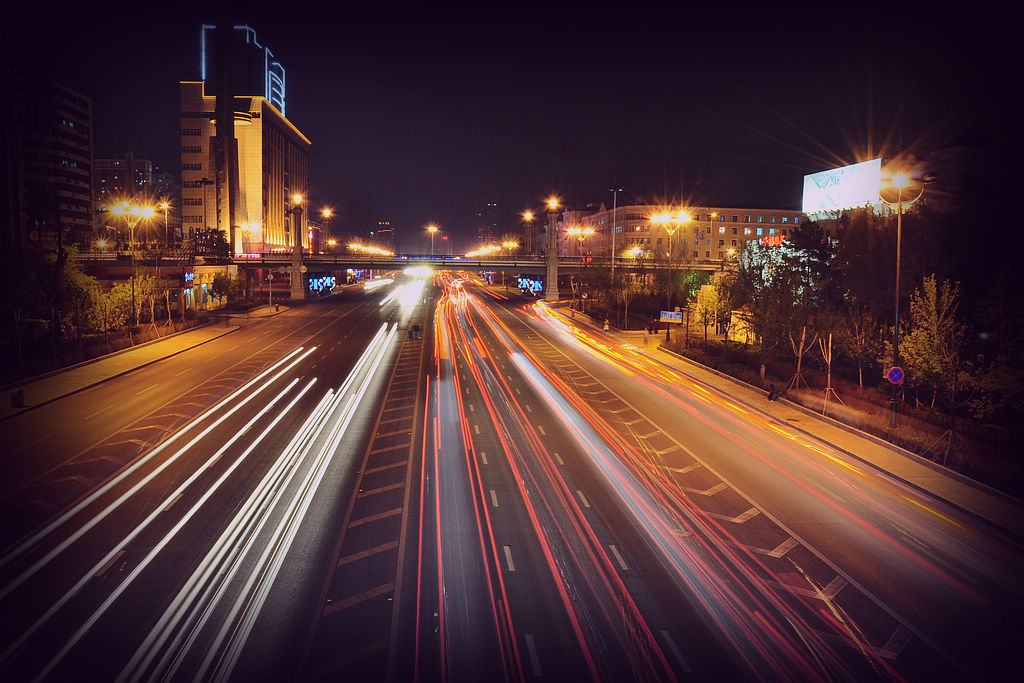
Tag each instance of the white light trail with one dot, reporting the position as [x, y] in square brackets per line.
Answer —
[32, 540]
[39, 564]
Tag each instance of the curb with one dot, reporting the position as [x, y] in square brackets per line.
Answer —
[934, 466]
[110, 377]
[90, 361]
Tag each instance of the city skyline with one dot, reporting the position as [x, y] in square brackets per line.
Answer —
[414, 117]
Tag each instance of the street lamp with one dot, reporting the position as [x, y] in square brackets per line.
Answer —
[615, 196]
[528, 232]
[167, 239]
[432, 229]
[898, 185]
[328, 214]
[667, 221]
[132, 214]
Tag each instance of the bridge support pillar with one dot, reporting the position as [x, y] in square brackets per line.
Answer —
[551, 279]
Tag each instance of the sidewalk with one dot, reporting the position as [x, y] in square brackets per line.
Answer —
[970, 496]
[60, 383]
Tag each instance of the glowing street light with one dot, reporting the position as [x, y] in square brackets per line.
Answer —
[666, 220]
[432, 229]
[132, 214]
[898, 185]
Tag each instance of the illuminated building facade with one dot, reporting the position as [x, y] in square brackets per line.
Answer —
[271, 161]
[707, 237]
[46, 170]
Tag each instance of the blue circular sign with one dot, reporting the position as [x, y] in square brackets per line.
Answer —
[895, 375]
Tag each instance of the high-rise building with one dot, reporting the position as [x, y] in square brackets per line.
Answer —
[121, 177]
[45, 175]
[242, 161]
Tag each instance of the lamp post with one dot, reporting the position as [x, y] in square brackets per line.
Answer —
[898, 184]
[132, 214]
[528, 232]
[615, 195]
[551, 271]
[327, 214]
[668, 221]
[432, 229]
[167, 239]
[296, 291]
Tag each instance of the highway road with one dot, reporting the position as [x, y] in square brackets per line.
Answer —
[600, 515]
[174, 523]
[326, 495]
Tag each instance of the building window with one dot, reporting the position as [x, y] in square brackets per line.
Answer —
[796, 219]
[734, 243]
[196, 114]
[771, 231]
[735, 219]
[192, 201]
[695, 254]
[773, 219]
[191, 167]
[760, 219]
[734, 231]
[721, 255]
[747, 218]
[785, 219]
[783, 233]
[721, 230]
[746, 231]
[721, 218]
[707, 254]
[760, 231]
[721, 243]
[191, 219]
[191, 149]
[191, 131]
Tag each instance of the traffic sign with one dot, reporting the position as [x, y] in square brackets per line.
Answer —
[895, 375]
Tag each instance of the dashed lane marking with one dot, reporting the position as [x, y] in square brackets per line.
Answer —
[618, 557]
[508, 559]
[534, 660]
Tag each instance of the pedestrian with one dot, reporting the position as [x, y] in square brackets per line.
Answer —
[645, 336]
[606, 324]
[418, 330]
[771, 392]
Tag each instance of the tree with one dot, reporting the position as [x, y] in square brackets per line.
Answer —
[934, 338]
[626, 290]
[707, 308]
[861, 338]
[224, 286]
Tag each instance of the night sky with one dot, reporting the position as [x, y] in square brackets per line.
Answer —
[421, 114]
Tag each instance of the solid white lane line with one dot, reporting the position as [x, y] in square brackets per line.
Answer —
[508, 559]
[583, 499]
[173, 501]
[675, 651]
[534, 660]
[618, 556]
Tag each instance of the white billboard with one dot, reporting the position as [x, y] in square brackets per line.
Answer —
[843, 188]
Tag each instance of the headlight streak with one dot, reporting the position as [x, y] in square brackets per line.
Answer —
[188, 604]
[240, 536]
[653, 519]
[39, 535]
[127, 581]
[284, 535]
[24, 576]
